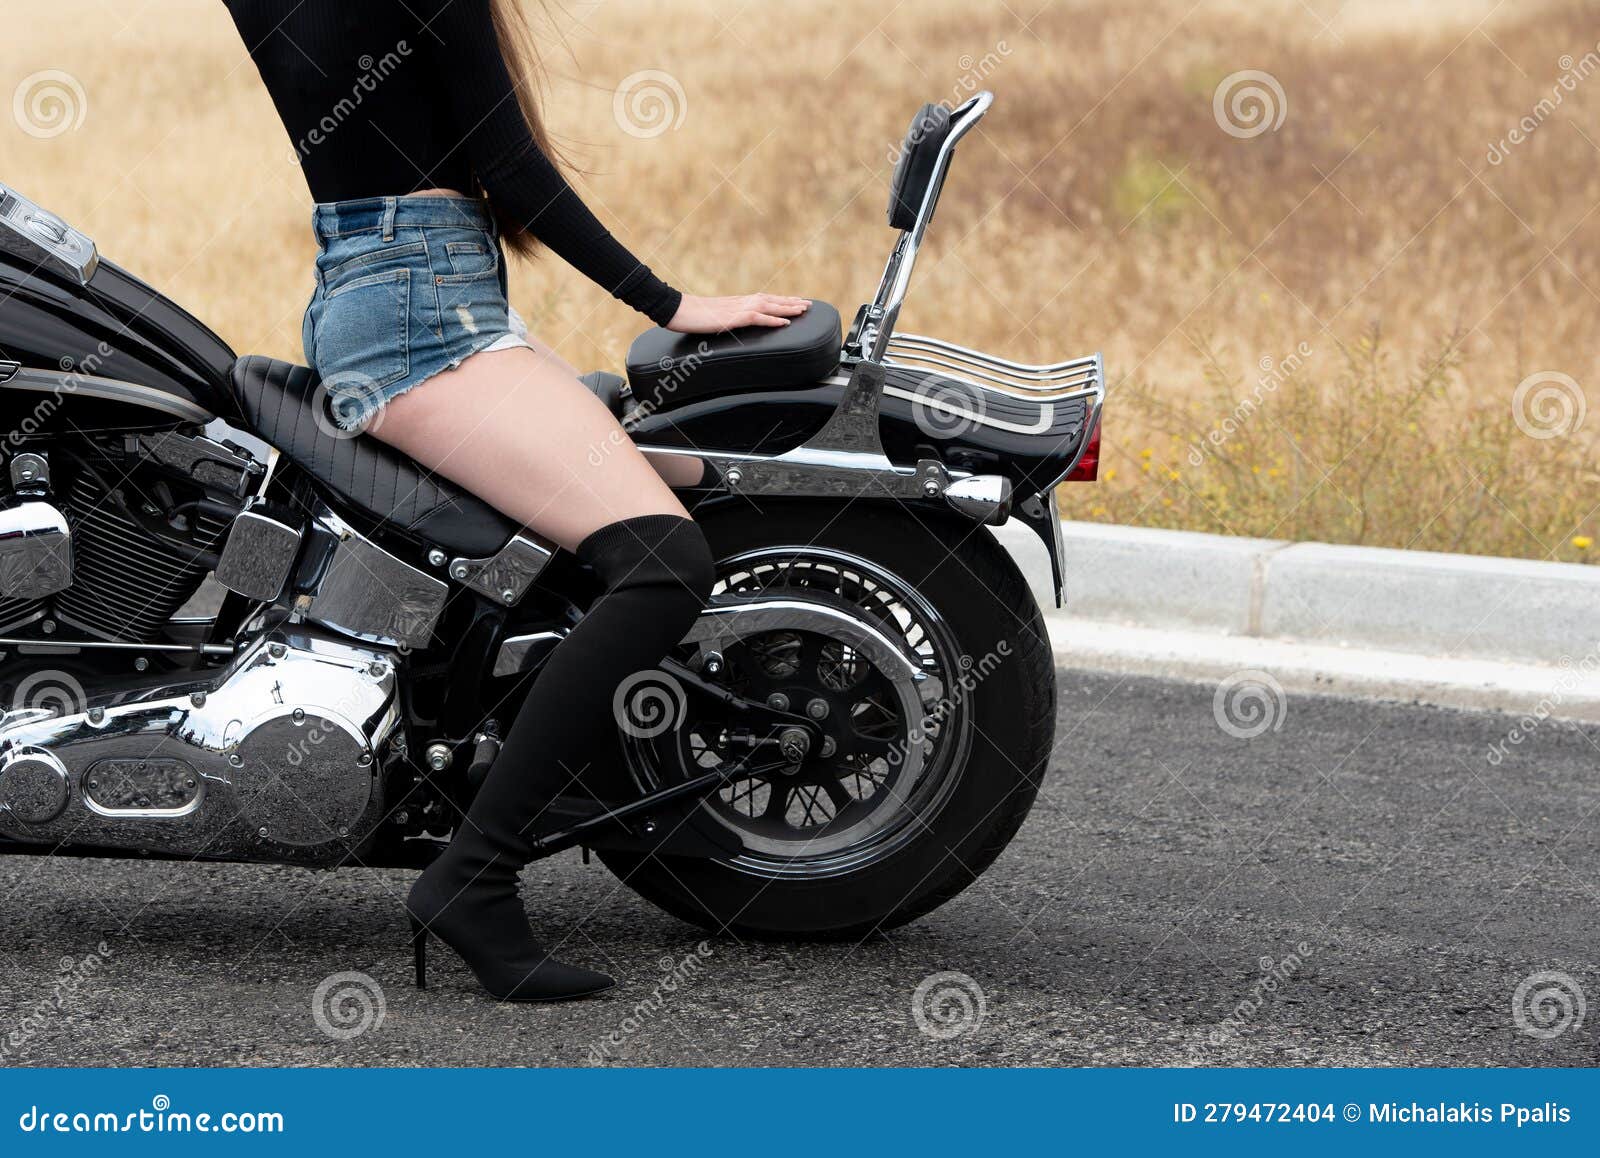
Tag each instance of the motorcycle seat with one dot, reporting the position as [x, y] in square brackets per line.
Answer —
[663, 365]
[286, 405]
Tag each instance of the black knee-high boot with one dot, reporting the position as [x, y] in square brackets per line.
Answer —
[657, 572]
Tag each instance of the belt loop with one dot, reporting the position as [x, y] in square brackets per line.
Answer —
[390, 204]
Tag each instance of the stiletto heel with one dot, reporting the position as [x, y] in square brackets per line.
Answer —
[419, 950]
[503, 954]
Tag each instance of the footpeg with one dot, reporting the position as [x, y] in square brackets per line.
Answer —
[486, 750]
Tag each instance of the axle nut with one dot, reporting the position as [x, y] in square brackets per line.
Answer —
[794, 744]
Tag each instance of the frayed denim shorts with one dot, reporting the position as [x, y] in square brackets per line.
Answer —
[406, 287]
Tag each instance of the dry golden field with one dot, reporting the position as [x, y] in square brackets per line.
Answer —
[1316, 330]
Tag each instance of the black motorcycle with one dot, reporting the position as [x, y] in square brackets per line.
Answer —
[232, 631]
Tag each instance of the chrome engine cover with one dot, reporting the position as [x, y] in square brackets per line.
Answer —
[276, 758]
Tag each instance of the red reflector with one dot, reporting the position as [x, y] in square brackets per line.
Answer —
[1088, 468]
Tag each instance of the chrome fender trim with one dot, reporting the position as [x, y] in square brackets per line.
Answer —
[723, 623]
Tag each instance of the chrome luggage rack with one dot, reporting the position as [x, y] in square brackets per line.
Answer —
[1056, 382]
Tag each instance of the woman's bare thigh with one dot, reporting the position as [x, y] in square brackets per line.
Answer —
[517, 429]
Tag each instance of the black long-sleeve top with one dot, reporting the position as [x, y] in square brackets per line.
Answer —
[386, 97]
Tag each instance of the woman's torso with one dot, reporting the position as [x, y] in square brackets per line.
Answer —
[359, 93]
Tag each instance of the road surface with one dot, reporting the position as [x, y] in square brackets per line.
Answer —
[1362, 885]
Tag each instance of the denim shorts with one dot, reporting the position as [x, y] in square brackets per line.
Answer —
[406, 287]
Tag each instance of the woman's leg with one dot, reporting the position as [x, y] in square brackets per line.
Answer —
[516, 430]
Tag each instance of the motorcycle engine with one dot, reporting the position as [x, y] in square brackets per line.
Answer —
[146, 515]
[275, 757]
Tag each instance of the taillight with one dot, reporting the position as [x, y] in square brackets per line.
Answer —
[1088, 468]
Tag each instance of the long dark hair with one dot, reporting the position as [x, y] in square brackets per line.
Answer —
[523, 60]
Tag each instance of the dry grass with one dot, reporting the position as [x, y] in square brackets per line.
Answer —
[1099, 207]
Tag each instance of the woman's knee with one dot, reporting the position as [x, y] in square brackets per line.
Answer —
[666, 552]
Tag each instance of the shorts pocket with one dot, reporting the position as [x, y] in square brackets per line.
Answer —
[473, 312]
[368, 259]
[470, 259]
[361, 334]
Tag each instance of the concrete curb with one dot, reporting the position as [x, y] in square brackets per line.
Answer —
[1460, 630]
[1535, 692]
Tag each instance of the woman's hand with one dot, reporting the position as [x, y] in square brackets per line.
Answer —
[713, 315]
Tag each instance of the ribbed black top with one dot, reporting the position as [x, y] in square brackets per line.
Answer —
[386, 97]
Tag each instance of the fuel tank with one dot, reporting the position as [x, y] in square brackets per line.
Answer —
[85, 338]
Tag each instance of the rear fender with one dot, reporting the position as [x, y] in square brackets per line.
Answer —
[915, 422]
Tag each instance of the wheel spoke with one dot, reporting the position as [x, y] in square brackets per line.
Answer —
[744, 790]
[811, 800]
[778, 802]
[838, 794]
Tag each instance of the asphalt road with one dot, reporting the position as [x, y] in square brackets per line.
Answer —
[1361, 886]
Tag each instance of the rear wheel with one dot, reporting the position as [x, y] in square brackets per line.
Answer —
[918, 781]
